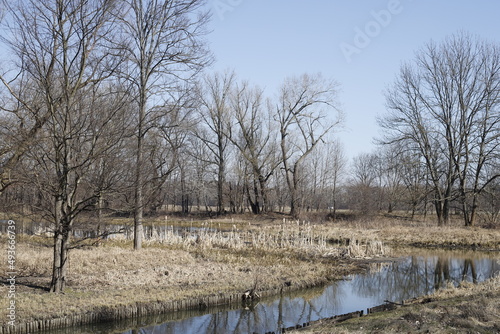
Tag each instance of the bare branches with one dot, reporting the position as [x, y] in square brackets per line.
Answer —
[303, 123]
[214, 95]
[163, 47]
[445, 107]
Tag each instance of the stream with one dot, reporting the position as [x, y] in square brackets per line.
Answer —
[405, 278]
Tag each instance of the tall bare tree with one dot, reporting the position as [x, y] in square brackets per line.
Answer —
[251, 131]
[329, 167]
[63, 56]
[165, 46]
[306, 112]
[214, 94]
[445, 106]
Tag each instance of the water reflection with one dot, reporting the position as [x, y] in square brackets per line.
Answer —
[108, 231]
[410, 277]
[418, 275]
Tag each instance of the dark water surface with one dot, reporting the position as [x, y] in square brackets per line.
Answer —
[409, 277]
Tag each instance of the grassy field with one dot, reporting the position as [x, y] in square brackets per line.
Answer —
[268, 254]
[180, 267]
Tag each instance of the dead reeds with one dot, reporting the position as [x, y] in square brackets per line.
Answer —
[210, 259]
[290, 236]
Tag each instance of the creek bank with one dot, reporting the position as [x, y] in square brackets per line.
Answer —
[112, 282]
[105, 278]
[392, 281]
[469, 308]
[455, 246]
[139, 309]
[337, 319]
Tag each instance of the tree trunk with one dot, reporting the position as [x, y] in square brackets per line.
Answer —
[184, 193]
[139, 179]
[295, 206]
[472, 216]
[138, 216]
[256, 208]
[254, 204]
[446, 212]
[469, 212]
[263, 193]
[60, 263]
[442, 206]
[220, 187]
[439, 212]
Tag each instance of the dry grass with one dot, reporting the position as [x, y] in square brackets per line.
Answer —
[291, 236]
[396, 232]
[176, 267]
[392, 231]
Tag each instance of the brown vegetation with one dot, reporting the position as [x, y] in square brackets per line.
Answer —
[396, 233]
[182, 267]
[229, 257]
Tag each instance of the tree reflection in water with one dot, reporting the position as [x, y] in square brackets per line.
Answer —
[414, 276]
[411, 277]
[421, 275]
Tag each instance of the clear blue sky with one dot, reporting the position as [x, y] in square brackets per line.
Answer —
[266, 41]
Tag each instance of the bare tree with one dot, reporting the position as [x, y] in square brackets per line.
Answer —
[251, 131]
[165, 46]
[445, 106]
[64, 56]
[325, 167]
[365, 185]
[365, 169]
[302, 116]
[333, 171]
[214, 93]
[413, 178]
